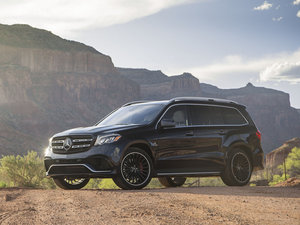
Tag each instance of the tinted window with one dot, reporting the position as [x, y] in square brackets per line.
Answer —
[232, 116]
[178, 114]
[214, 115]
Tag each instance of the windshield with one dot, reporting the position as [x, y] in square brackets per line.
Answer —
[133, 114]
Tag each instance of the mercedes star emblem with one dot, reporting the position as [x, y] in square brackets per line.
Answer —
[67, 144]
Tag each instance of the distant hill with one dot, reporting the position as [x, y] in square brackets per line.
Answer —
[49, 84]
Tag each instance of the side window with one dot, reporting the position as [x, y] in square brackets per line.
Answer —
[214, 115]
[232, 116]
[200, 115]
[178, 114]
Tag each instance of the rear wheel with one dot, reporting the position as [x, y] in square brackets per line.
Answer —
[71, 183]
[238, 169]
[172, 181]
[135, 171]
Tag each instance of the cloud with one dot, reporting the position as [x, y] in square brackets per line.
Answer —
[277, 7]
[296, 2]
[265, 6]
[65, 16]
[277, 67]
[298, 14]
[277, 19]
[284, 71]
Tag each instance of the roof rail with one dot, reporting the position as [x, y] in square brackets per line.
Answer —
[134, 102]
[204, 99]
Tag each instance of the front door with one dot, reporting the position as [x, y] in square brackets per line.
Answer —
[175, 144]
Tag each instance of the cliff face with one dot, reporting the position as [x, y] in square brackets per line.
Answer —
[46, 60]
[158, 86]
[44, 91]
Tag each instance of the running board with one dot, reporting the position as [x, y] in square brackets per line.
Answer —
[190, 174]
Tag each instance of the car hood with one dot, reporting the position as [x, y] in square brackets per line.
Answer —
[96, 130]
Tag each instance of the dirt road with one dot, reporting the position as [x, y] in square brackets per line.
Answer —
[204, 205]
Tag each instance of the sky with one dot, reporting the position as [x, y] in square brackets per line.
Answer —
[223, 43]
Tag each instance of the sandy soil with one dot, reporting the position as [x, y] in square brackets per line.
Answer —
[204, 205]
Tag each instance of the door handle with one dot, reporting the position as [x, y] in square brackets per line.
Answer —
[190, 133]
[222, 132]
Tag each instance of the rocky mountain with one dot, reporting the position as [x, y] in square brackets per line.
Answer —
[48, 84]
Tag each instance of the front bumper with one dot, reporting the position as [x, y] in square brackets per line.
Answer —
[98, 161]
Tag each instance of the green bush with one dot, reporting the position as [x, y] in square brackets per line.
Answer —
[24, 171]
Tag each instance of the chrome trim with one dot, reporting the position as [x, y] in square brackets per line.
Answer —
[213, 105]
[190, 173]
[81, 140]
[81, 146]
[57, 147]
[58, 141]
[86, 166]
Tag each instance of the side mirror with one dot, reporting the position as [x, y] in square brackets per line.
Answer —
[166, 123]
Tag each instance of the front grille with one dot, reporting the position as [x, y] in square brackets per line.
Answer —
[79, 143]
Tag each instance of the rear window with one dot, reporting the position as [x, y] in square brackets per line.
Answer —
[215, 115]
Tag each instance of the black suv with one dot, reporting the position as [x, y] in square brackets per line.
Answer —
[174, 139]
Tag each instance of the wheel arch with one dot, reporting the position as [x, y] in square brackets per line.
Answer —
[142, 145]
[243, 146]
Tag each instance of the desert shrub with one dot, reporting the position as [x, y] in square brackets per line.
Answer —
[24, 171]
[278, 179]
[292, 163]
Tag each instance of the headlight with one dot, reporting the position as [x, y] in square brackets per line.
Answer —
[107, 139]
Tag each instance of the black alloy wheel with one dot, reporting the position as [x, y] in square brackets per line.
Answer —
[135, 170]
[71, 183]
[172, 181]
[238, 169]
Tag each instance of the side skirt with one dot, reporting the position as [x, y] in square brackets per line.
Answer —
[189, 174]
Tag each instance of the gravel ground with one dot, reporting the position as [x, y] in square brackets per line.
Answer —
[199, 205]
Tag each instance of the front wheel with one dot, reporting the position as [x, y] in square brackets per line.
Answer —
[238, 169]
[135, 171]
[172, 181]
[71, 183]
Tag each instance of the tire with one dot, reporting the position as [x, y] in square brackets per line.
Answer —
[172, 181]
[135, 170]
[71, 184]
[238, 169]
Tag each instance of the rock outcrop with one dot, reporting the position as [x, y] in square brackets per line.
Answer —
[277, 156]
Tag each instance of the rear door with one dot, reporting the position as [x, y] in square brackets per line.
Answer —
[212, 126]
